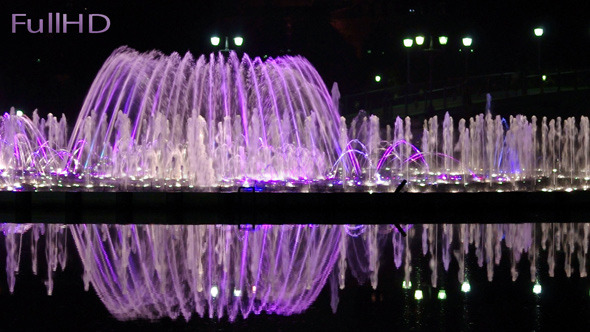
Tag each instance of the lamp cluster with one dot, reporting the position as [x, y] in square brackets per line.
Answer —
[216, 40]
[442, 40]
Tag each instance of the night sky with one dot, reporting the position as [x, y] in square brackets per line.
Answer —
[347, 41]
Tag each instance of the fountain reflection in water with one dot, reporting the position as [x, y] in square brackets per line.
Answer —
[154, 271]
[183, 123]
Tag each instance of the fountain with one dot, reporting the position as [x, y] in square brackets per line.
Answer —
[153, 122]
[205, 120]
[157, 122]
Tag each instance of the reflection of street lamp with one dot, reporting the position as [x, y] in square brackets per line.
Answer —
[238, 41]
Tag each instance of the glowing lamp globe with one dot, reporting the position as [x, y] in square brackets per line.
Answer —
[467, 41]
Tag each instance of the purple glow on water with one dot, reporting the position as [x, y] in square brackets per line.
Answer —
[179, 265]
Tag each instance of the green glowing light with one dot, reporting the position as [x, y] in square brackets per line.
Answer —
[377, 78]
[406, 284]
[443, 40]
[442, 295]
[537, 289]
[215, 40]
[418, 295]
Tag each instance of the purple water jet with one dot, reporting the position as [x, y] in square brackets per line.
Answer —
[156, 122]
[205, 120]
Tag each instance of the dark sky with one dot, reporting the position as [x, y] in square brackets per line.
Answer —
[52, 72]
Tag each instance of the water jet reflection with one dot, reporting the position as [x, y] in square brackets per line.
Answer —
[156, 271]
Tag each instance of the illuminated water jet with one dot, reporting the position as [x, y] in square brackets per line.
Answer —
[205, 120]
[157, 122]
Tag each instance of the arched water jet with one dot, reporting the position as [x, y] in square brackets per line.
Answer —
[206, 121]
[26, 155]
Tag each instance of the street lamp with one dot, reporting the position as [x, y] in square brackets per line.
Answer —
[408, 42]
[377, 78]
[467, 41]
[442, 40]
[538, 33]
[215, 41]
[238, 41]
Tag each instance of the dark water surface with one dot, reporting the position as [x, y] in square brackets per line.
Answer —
[500, 305]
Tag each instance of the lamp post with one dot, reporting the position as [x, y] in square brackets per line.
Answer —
[467, 42]
[238, 42]
[408, 42]
[538, 34]
[442, 40]
[538, 31]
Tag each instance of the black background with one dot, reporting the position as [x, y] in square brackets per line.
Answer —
[52, 72]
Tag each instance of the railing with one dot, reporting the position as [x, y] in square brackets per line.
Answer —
[456, 92]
